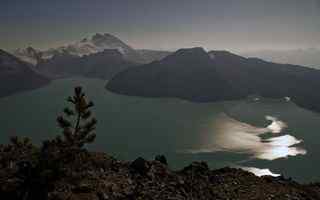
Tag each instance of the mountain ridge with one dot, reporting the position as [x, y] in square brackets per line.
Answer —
[306, 57]
[17, 76]
[234, 76]
[102, 65]
[91, 45]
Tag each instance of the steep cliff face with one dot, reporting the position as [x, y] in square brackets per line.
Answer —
[16, 76]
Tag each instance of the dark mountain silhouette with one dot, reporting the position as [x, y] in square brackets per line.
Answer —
[306, 57]
[102, 65]
[152, 55]
[17, 76]
[256, 76]
[105, 64]
[61, 65]
[199, 76]
[187, 73]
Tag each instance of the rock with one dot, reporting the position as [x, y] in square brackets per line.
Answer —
[11, 184]
[84, 196]
[196, 168]
[142, 179]
[162, 159]
[140, 165]
[82, 188]
[102, 196]
[55, 195]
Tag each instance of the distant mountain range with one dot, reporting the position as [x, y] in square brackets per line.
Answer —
[104, 65]
[88, 46]
[201, 76]
[305, 57]
[16, 75]
[100, 56]
[192, 74]
[29, 55]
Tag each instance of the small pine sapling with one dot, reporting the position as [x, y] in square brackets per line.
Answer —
[77, 122]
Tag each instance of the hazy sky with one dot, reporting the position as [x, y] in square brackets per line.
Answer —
[163, 24]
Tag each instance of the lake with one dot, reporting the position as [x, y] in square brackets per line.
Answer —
[266, 136]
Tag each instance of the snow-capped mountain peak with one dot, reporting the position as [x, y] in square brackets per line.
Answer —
[97, 43]
[29, 55]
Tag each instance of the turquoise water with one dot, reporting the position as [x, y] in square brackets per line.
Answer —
[129, 127]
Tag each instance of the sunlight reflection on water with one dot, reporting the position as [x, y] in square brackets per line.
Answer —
[260, 172]
[234, 136]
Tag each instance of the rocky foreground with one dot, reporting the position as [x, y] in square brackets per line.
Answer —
[97, 176]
